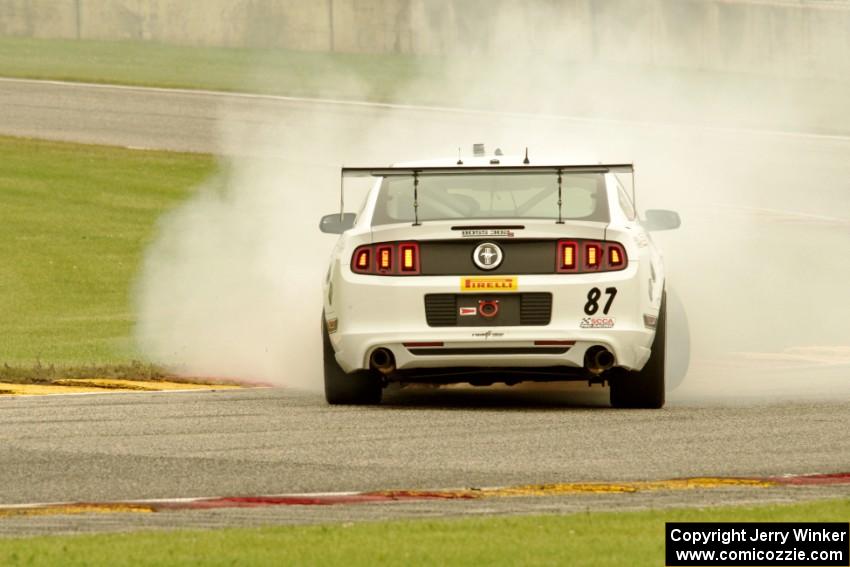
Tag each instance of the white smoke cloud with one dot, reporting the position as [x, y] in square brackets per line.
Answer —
[231, 286]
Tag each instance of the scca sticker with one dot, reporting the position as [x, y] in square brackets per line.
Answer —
[597, 323]
[488, 284]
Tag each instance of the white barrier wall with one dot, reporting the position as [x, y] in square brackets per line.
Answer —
[781, 37]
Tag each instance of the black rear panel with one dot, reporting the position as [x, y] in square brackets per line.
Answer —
[454, 257]
[535, 308]
[441, 310]
[514, 309]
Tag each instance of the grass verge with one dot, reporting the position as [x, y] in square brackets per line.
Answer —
[590, 539]
[49, 374]
[73, 226]
[268, 71]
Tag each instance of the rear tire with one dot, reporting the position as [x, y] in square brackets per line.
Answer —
[644, 389]
[361, 387]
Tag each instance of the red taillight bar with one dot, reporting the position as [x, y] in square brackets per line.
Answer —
[576, 256]
[387, 259]
[592, 256]
[582, 256]
[384, 259]
[616, 255]
[361, 261]
[408, 257]
[567, 256]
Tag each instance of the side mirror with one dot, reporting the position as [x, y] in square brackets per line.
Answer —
[660, 219]
[334, 224]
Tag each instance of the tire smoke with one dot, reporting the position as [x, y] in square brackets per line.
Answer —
[231, 285]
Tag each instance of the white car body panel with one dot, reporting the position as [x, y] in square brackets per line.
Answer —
[372, 311]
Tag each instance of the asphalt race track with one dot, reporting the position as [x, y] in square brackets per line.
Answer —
[120, 447]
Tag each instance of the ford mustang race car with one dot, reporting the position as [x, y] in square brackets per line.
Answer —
[495, 269]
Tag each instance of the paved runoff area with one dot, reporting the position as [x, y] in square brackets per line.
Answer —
[254, 456]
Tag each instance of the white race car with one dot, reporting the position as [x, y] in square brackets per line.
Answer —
[494, 269]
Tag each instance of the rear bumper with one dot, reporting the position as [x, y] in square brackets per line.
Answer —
[516, 349]
[374, 312]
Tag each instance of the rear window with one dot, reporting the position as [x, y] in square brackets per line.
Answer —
[490, 196]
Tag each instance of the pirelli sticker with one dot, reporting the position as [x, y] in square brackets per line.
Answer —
[478, 284]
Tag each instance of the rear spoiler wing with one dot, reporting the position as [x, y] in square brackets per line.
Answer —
[416, 172]
[455, 169]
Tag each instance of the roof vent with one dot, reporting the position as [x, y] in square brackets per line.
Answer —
[498, 152]
[478, 150]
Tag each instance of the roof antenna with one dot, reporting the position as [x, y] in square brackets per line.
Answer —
[560, 201]
[416, 198]
[525, 161]
[459, 161]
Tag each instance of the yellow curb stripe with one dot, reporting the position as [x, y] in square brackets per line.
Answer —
[104, 385]
[150, 386]
[555, 489]
[71, 509]
[623, 487]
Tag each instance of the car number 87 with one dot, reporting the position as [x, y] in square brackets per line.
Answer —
[592, 305]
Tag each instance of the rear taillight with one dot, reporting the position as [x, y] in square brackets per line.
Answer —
[387, 259]
[384, 256]
[362, 259]
[616, 255]
[568, 256]
[582, 256]
[408, 254]
[592, 256]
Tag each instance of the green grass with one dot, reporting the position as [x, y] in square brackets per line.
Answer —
[74, 221]
[270, 71]
[610, 539]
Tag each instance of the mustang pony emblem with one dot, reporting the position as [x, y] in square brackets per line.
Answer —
[487, 256]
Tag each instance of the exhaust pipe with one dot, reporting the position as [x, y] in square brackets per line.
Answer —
[598, 359]
[382, 360]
